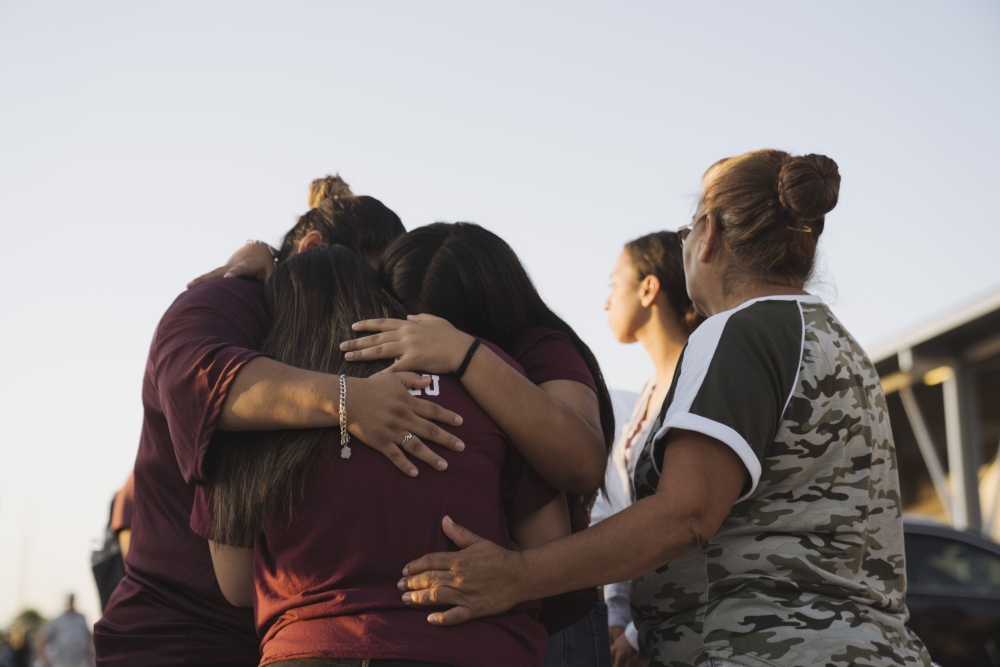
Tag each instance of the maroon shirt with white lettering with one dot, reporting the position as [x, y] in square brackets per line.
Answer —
[325, 581]
[547, 354]
[168, 610]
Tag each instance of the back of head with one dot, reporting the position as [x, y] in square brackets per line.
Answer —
[771, 207]
[659, 254]
[474, 279]
[362, 224]
[328, 187]
[465, 274]
[313, 298]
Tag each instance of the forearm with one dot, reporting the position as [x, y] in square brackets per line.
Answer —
[557, 441]
[599, 555]
[268, 395]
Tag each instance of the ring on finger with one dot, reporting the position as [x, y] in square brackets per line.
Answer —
[406, 438]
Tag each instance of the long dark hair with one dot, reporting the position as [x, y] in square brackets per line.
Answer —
[472, 278]
[362, 224]
[313, 298]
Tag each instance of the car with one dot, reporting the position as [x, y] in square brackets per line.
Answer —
[953, 593]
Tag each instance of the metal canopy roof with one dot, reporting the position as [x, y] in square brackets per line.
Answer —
[971, 332]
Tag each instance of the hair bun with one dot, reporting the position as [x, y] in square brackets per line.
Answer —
[809, 186]
[328, 187]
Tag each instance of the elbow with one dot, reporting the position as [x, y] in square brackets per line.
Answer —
[585, 476]
[689, 530]
[692, 531]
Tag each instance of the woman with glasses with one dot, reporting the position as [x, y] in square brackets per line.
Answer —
[767, 498]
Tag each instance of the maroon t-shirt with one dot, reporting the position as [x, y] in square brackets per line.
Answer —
[546, 355]
[168, 610]
[325, 581]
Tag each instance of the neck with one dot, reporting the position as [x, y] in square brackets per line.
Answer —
[663, 339]
[737, 297]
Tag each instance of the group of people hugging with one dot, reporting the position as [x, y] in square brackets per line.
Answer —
[373, 447]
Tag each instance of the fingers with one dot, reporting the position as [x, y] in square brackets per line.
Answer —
[251, 270]
[442, 560]
[380, 324]
[364, 342]
[422, 317]
[453, 616]
[430, 432]
[392, 452]
[434, 597]
[418, 449]
[211, 275]
[460, 535]
[435, 413]
[412, 380]
[424, 580]
[381, 351]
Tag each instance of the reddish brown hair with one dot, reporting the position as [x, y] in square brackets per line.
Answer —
[771, 208]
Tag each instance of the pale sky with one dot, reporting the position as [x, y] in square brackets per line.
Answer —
[142, 143]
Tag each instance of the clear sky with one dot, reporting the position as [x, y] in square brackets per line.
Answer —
[141, 143]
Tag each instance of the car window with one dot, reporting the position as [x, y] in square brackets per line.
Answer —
[943, 562]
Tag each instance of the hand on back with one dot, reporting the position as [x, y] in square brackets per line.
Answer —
[420, 343]
[253, 261]
[381, 411]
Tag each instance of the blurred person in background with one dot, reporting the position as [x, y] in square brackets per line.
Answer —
[23, 634]
[468, 283]
[65, 641]
[648, 304]
[767, 493]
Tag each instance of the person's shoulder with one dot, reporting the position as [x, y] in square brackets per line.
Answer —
[538, 334]
[221, 294]
[767, 318]
[221, 289]
[539, 340]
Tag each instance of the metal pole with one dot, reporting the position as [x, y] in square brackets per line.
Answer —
[927, 450]
[962, 428]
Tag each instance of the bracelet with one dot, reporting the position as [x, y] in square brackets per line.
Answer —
[468, 358]
[274, 253]
[345, 437]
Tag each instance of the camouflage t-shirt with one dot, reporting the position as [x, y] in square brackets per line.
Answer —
[807, 570]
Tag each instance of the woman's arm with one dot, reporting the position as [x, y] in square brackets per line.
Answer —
[702, 479]
[253, 261]
[556, 425]
[549, 523]
[234, 570]
[267, 395]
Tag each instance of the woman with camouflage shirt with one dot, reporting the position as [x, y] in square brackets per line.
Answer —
[766, 495]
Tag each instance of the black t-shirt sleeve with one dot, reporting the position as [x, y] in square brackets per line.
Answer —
[735, 380]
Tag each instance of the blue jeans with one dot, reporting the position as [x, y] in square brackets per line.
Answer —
[583, 644]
